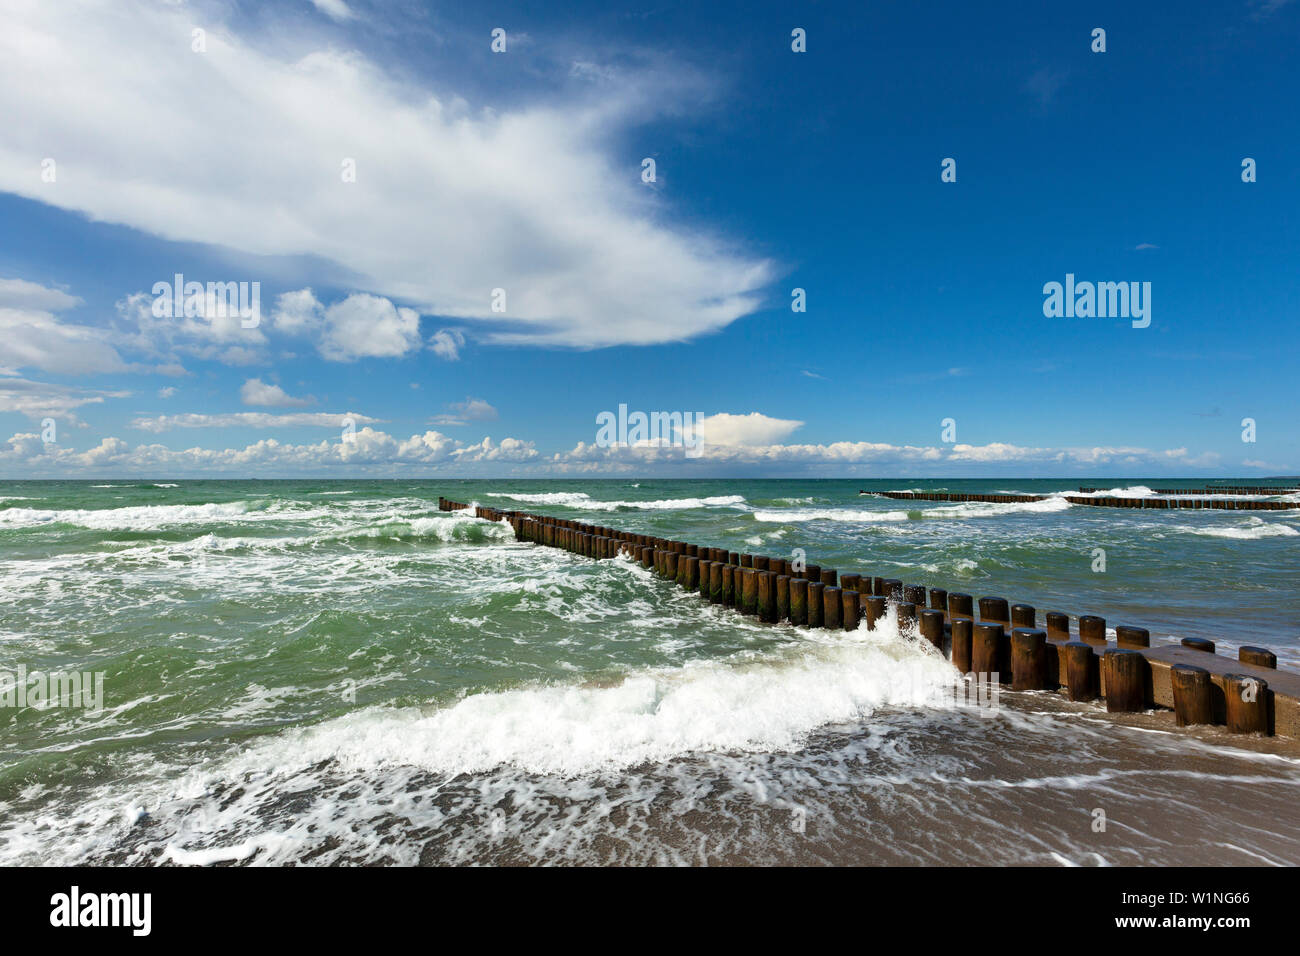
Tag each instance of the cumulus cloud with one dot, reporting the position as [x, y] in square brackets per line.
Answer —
[210, 334]
[256, 392]
[360, 326]
[164, 423]
[751, 429]
[363, 450]
[448, 201]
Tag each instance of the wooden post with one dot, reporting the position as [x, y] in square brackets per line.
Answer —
[906, 615]
[914, 594]
[1192, 701]
[874, 608]
[1092, 629]
[985, 640]
[767, 597]
[832, 606]
[1195, 644]
[1126, 636]
[1126, 675]
[961, 644]
[1080, 670]
[828, 577]
[1246, 699]
[729, 573]
[1259, 656]
[995, 609]
[783, 597]
[850, 582]
[960, 605]
[815, 603]
[1028, 658]
[849, 607]
[799, 602]
[1058, 626]
[1023, 615]
[932, 627]
[748, 591]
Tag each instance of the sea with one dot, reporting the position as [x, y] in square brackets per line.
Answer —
[334, 672]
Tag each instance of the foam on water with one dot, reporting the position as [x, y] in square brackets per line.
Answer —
[1253, 529]
[584, 501]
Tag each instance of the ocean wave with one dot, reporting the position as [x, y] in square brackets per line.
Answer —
[705, 706]
[966, 509]
[578, 499]
[1253, 530]
[152, 517]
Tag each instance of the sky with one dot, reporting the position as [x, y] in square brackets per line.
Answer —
[473, 232]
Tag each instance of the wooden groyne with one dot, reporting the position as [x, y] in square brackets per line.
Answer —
[987, 635]
[1225, 490]
[1211, 504]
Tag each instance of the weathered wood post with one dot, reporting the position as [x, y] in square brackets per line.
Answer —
[932, 627]
[832, 606]
[985, 640]
[815, 589]
[1246, 701]
[1092, 629]
[961, 644]
[1126, 675]
[799, 602]
[1259, 656]
[1080, 670]
[1191, 689]
[1028, 658]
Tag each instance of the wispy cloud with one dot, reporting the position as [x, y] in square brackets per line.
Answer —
[542, 207]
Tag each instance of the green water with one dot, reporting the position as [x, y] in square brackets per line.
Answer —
[251, 629]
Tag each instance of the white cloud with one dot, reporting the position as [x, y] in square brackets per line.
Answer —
[40, 399]
[470, 410]
[211, 335]
[752, 429]
[256, 392]
[446, 344]
[32, 337]
[163, 423]
[246, 143]
[336, 10]
[360, 326]
[21, 294]
[166, 392]
[365, 449]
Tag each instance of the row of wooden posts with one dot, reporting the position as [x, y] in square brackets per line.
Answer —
[1215, 504]
[1003, 641]
[1224, 490]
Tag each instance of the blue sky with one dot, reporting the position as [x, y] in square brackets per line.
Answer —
[522, 171]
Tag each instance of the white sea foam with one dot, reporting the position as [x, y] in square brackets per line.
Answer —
[706, 706]
[578, 499]
[1252, 530]
[966, 509]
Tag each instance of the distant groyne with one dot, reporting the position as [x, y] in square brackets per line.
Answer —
[1101, 501]
[986, 635]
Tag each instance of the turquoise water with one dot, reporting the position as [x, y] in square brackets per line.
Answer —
[336, 672]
